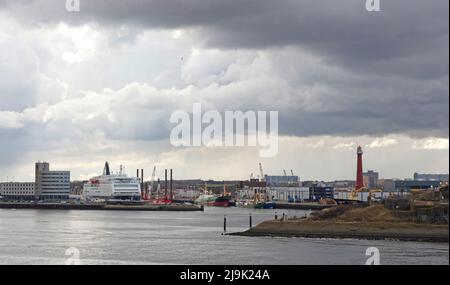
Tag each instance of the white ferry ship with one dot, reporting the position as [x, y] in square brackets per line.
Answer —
[110, 186]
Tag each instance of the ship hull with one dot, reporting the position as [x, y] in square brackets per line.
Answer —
[223, 202]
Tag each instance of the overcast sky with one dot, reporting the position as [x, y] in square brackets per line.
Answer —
[77, 89]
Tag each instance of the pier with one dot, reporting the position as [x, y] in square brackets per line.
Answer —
[100, 207]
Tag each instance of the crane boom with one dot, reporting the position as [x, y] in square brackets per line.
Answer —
[261, 171]
[152, 181]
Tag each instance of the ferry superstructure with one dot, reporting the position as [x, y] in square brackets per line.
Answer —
[110, 186]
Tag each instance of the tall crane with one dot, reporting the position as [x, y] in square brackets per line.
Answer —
[261, 172]
[292, 173]
[224, 189]
[262, 192]
[284, 171]
[152, 180]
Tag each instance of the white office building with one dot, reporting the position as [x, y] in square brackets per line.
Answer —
[51, 185]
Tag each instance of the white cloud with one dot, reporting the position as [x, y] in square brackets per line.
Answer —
[316, 145]
[177, 34]
[350, 145]
[10, 120]
[432, 144]
[382, 142]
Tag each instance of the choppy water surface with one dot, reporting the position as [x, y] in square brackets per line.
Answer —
[114, 237]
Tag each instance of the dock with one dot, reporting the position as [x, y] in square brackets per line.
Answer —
[100, 207]
[302, 206]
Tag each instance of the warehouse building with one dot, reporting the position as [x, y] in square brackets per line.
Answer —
[433, 177]
[17, 191]
[407, 185]
[318, 192]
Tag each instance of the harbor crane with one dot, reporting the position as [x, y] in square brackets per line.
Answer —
[261, 172]
[262, 191]
[149, 188]
[152, 180]
[284, 171]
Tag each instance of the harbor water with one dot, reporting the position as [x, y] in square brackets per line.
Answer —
[115, 237]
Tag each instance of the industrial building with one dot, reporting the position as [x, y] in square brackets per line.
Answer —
[387, 185]
[431, 177]
[17, 191]
[281, 180]
[407, 185]
[51, 185]
[289, 194]
[318, 192]
[370, 179]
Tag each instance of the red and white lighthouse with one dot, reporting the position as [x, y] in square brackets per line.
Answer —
[359, 170]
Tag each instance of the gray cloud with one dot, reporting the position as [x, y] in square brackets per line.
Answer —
[329, 67]
[343, 31]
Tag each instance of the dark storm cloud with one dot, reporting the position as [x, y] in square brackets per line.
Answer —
[404, 49]
[339, 30]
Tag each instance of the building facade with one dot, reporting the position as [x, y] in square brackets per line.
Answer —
[289, 194]
[318, 192]
[371, 179]
[407, 185]
[281, 180]
[17, 191]
[432, 177]
[388, 185]
[51, 185]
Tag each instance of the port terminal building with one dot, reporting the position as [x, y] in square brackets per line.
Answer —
[49, 185]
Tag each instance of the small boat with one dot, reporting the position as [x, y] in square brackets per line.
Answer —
[265, 205]
[223, 201]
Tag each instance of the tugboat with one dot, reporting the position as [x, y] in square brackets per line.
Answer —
[224, 201]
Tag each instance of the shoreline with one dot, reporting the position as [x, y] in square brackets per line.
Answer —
[302, 206]
[99, 207]
[352, 230]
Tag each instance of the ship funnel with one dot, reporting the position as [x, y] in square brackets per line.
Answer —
[106, 170]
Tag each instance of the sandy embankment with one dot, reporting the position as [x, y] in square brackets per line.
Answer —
[368, 223]
[359, 230]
